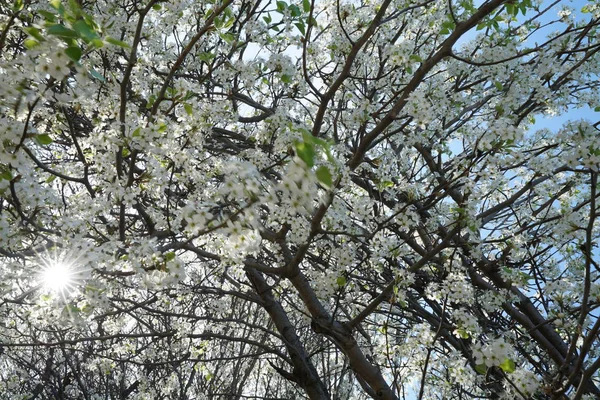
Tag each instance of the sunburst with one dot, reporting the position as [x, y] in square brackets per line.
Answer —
[58, 277]
[61, 273]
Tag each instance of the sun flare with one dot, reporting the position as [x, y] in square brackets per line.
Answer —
[58, 277]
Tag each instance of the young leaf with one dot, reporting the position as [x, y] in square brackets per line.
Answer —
[324, 176]
[508, 366]
[227, 37]
[306, 5]
[116, 42]
[62, 31]
[97, 43]
[85, 31]
[295, 11]
[17, 6]
[306, 153]
[48, 16]
[5, 175]
[43, 139]
[462, 333]
[97, 75]
[206, 57]
[34, 32]
[74, 53]
[56, 4]
[30, 43]
[281, 5]
[301, 27]
[481, 369]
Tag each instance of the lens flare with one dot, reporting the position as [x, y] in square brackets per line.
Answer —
[58, 276]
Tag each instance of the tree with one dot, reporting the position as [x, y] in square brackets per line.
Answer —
[323, 199]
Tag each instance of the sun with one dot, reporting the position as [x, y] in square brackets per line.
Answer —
[61, 272]
[58, 276]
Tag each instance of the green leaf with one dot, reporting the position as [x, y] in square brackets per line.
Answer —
[34, 32]
[72, 309]
[597, 109]
[169, 256]
[156, 7]
[523, 9]
[5, 175]
[74, 53]
[301, 27]
[206, 57]
[481, 369]
[227, 37]
[462, 333]
[116, 42]
[43, 139]
[324, 176]
[306, 5]
[85, 31]
[281, 5]
[286, 78]
[97, 43]
[341, 281]
[151, 101]
[229, 23]
[458, 210]
[17, 6]
[498, 85]
[295, 11]
[97, 75]
[309, 138]
[511, 9]
[30, 43]
[508, 366]
[48, 16]
[62, 31]
[56, 4]
[416, 58]
[188, 109]
[449, 25]
[306, 152]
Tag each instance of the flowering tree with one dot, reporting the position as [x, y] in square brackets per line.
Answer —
[323, 199]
